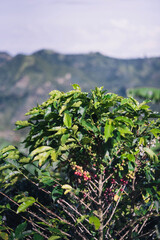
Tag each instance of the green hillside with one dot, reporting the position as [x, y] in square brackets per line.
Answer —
[26, 80]
[145, 93]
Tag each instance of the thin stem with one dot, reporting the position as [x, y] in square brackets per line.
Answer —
[100, 210]
[108, 178]
[113, 210]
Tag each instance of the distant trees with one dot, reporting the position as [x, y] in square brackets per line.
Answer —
[90, 171]
[145, 93]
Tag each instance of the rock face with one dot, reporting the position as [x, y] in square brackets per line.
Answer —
[26, 80]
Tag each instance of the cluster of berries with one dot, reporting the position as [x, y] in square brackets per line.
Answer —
[113, 181]
[108, 195]
[123, 182]
[79, 172]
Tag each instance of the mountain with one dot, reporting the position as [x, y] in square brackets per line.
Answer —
[26, 80]
[4, 57]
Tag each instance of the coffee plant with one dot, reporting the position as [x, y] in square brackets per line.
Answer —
[89, 170]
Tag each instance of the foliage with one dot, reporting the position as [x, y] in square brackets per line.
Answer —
[27, 79]
[90, 173]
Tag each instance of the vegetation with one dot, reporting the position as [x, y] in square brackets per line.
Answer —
[90, 171]
[25, 80]
[145, 93]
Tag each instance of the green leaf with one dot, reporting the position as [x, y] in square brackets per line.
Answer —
[94, 220]
[76, 87]
[64, 138]
[53, 155]
[24, 160]
[130, 166]
[61, 131]
[19, 229]
[144, 107]
[67, 120]
[42, 157]
[6, 149]
[4, 235]
[108, 130]
[55, 93]
[31, 168]
[151, 154]
[131, 157]
[57, 193]
[48, 111]
[22, 124]
[88, 125]
[125, 130]
[25, 205]
[37, 237]
[77, 104]
[54, 237]
[63, 108]
[125, 120]
[86, 140]
[142, 141]
[155, 132]
[67, 187]
[40, 150]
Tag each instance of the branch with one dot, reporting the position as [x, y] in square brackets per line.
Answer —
[83, 203]
[71, 207]
[94, 184]
[30, 221]
[55, 215]
[92, 189]
[75, 220]
[145, 221]
[107, 178]
[107, 209]
[113, 210]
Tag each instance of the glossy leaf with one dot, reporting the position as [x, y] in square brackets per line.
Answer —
[54, 238]
[108, 130]
[42, 157]
[155, 132]
[25, 205]
[67, 120]
[40, 150]
[94, 220]
[53, 154]
[76, 87]
[20, 229]
[125, 120]
[151, 154]
[22, 124]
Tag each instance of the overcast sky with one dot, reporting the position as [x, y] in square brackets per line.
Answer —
[117, 28]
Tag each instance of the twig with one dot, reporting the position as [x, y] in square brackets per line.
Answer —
[108, 178]
[107, 209]
[145, 221]
[69, 214]
[71, 207]
[113, 210]
[94, 185]
[55, 215]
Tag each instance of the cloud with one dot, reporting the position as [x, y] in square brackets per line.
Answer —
[117, 28]
[120, 23]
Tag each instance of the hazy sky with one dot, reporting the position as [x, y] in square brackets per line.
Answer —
[117, 28]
